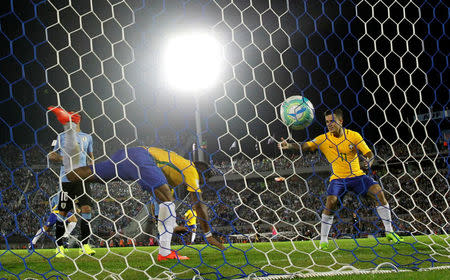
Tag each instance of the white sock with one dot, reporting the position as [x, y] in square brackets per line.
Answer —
[69, 229]
[71, 149]
[325, 226]
[193, 237]
[37, 236]
[166, 223]
[385, 215]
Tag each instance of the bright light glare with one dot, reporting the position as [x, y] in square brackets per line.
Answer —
[192, 61]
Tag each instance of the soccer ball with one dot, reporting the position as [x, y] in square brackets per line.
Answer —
[297, 112]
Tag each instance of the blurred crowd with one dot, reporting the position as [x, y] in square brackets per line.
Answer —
[244, 166]
[416, 184]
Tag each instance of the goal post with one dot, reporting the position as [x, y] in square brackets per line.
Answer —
[382, 62]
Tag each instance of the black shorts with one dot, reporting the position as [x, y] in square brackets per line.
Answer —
[74, 192]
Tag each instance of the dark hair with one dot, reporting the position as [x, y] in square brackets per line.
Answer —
[336, 112]
[204, 168]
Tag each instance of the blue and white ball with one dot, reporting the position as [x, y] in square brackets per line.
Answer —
[297, 112]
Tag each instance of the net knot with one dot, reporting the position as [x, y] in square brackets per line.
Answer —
[386, 264]
[170, 275]
[197, 276]
[113, 276]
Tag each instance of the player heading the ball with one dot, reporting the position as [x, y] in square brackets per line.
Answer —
[154, 169]
[340, 146]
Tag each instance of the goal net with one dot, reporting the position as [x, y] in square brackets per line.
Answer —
[382, 62]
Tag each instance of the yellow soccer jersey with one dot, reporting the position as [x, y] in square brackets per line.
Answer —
[176, 168]
[190, 217]
[341, 152]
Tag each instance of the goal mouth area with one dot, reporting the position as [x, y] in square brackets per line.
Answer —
[215, 99]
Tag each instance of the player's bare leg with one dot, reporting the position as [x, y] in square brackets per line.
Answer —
[376, 193]
[384, 211]
[330, 205]
[327, 220]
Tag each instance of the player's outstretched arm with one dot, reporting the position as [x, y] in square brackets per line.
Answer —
[285, 145]
[202, 213]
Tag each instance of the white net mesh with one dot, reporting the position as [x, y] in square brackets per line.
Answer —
[382, 62]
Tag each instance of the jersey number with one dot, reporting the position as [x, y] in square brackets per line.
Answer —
[63, 198]
[343, 156]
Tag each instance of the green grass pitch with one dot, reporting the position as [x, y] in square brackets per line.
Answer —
[275, 258]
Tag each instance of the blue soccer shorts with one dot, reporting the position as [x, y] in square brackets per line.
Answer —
[358, 185]
[138, 165]
[191, 227]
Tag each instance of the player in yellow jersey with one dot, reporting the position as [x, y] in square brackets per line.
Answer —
[191, 223]
[340, 146]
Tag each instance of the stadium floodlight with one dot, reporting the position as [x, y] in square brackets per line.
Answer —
[192, 61]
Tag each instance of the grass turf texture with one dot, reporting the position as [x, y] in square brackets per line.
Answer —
[140, 262]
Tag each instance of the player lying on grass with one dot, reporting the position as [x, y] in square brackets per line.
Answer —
[154, 169]
[340, 147]
[59, 219]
